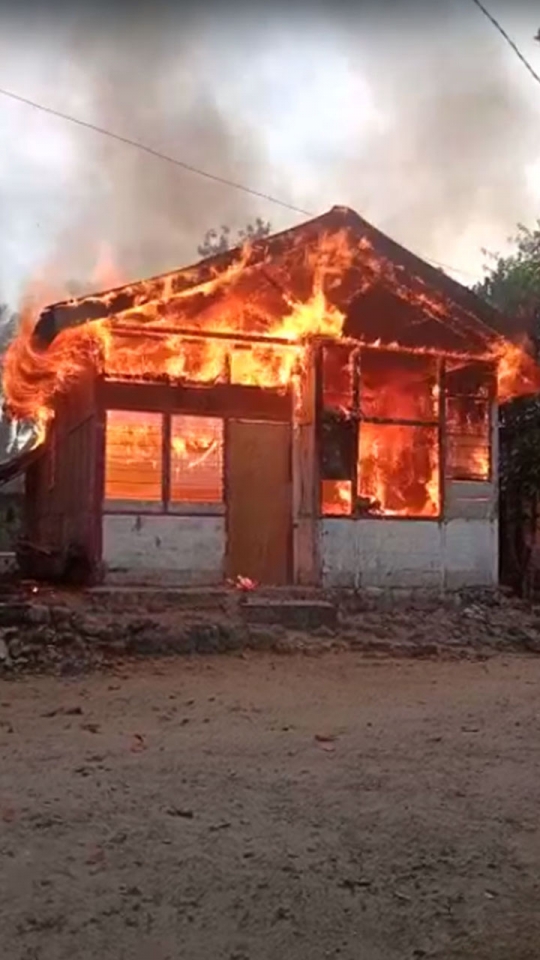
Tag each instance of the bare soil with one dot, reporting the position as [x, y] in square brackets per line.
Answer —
[261, 807]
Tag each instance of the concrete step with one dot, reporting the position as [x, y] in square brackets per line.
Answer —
[148, 599]
[293, 614]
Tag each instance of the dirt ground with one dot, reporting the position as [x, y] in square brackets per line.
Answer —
[260, 807]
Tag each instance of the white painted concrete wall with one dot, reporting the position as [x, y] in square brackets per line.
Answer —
[174, 549]
[409, 553]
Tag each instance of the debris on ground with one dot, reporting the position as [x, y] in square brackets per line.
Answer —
[75, 632]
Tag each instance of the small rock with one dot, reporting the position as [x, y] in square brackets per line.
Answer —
[205, 637]
[179, 812]
[282, 913]
[261, 637]
[5, 657]
[13, 614]
[16, 648]
[90, 727]
[38, 613]
[60, 615]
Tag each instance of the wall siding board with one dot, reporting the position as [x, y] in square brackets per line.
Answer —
[60, 487]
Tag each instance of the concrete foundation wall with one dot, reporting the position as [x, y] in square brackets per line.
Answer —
[399, 553]
[166, 549]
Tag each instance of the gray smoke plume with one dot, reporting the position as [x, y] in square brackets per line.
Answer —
[417, 115]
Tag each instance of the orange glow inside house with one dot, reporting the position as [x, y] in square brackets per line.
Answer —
[398, 470]
[469, 398]
[336, 498]
[133, 461]
[196, 460]
[134, 457]
[398, 461]
[395, 421]
[395, 424]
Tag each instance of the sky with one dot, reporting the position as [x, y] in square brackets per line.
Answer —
[417, 115]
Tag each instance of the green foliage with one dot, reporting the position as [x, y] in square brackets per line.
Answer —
[219, 241]
[512, 282]
[519, 465]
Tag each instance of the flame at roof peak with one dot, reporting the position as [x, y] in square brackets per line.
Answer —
[331, 276]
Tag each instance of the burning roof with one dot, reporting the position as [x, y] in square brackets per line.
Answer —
[373, 278]
[335, 276]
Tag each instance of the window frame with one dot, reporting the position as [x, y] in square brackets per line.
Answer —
[432, 424]
[438, 423]
[490, 401]
[163, 506]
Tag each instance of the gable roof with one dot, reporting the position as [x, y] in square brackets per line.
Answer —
[388, 294]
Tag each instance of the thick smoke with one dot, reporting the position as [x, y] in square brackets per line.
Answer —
[461, 127]
[424, 124]
[159, 88]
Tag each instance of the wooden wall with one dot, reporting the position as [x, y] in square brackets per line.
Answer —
[62, 497]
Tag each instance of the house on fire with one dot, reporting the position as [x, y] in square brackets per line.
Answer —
[320, 410]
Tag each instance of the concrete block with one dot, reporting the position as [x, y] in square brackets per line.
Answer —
[292, 614]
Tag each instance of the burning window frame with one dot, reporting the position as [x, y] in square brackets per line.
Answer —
[481, 392]
[338, 458]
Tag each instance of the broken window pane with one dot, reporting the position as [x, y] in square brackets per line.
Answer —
[337, 378]
[336, 498]
[196, 459]
[398, 386]
[337, 446]
[398, 470]
[133, 455]
[469, 389]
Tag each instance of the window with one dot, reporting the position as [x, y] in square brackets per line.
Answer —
[133, 456]
[379, 433]
[398, 448]
[137, 465]
[337, 431]
[398, 470]
[469, 392]
[196, 460]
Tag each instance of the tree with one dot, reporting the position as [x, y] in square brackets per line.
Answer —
[512, 283]
[219, 241]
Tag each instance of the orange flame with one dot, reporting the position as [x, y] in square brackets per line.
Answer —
[518, 374]
[160, 336]
[142, 342]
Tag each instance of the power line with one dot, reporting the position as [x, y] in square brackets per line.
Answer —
[448, 266]
[508, 39]
[180, 163]
[154, 153]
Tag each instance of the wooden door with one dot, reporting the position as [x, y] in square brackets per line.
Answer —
[259, 501]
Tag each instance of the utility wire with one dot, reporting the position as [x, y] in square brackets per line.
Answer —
[508, 39]
[153, 152]
[180, 163]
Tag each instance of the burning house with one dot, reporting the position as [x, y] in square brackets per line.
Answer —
[319, 408]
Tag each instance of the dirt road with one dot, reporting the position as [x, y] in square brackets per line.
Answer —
[272, 808]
